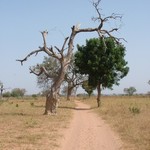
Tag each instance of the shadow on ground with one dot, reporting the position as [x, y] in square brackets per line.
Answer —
[76, 108]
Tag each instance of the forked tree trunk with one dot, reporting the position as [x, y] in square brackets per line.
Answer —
[52, 97]
[51, 103]
[99, 94]
[69, 92]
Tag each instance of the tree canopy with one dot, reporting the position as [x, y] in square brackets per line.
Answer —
[88, 88]
[130, 90]
[102, 59]
[16, 92]
[52, 67]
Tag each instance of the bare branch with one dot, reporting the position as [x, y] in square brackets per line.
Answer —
[60, 51]
[63, 47]
[96, 4]
[87, 30]
[33, 52]
[52, 53]
[34, 72]
[114, 29]
[42, 69]
[57, 49]
[49, 51]
[44, 34]
[113, 16]
[108, 33]
[101, 32]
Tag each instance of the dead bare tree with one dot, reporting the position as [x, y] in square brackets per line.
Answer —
[73, 79]
[1, 90]
[65, 58]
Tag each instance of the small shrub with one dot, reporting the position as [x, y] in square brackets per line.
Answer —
[134, 110]
[17, 105]
[32, 104]
[7, 94]
[34, 96]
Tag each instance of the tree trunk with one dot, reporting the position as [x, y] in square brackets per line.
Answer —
[52, 97]
[51, 103]
[99, 94]
[1, 92]
[69, 92]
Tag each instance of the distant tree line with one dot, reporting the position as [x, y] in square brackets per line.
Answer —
[16, 92]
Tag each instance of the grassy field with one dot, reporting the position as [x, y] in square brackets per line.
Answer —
[23, 127]
[129, 116]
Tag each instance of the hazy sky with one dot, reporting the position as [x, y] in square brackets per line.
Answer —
[22, 21]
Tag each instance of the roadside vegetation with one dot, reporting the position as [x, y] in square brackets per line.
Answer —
[22, 125]
[127, 115]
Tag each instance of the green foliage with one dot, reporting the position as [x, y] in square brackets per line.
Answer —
[34, 96]
[17, 92]
[102, 60]
[32, 103]
[52, 66]
[7, 94]
[134, 110]
[130, 90]
[88, 88]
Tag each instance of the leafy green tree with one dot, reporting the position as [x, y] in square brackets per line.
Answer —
[130, 90]
[17, 92]
[7, 94]
[88, 88]
[52, 66]
[102, 59]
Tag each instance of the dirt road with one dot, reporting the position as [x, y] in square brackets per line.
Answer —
[89, 132]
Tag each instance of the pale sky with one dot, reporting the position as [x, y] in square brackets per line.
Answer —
[22, 21]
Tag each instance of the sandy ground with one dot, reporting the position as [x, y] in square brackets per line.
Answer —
[87, 131]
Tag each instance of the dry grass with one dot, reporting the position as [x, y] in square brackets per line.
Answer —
[129, 116]
[23, 127]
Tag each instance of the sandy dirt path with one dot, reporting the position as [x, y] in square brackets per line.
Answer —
[87, 131]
